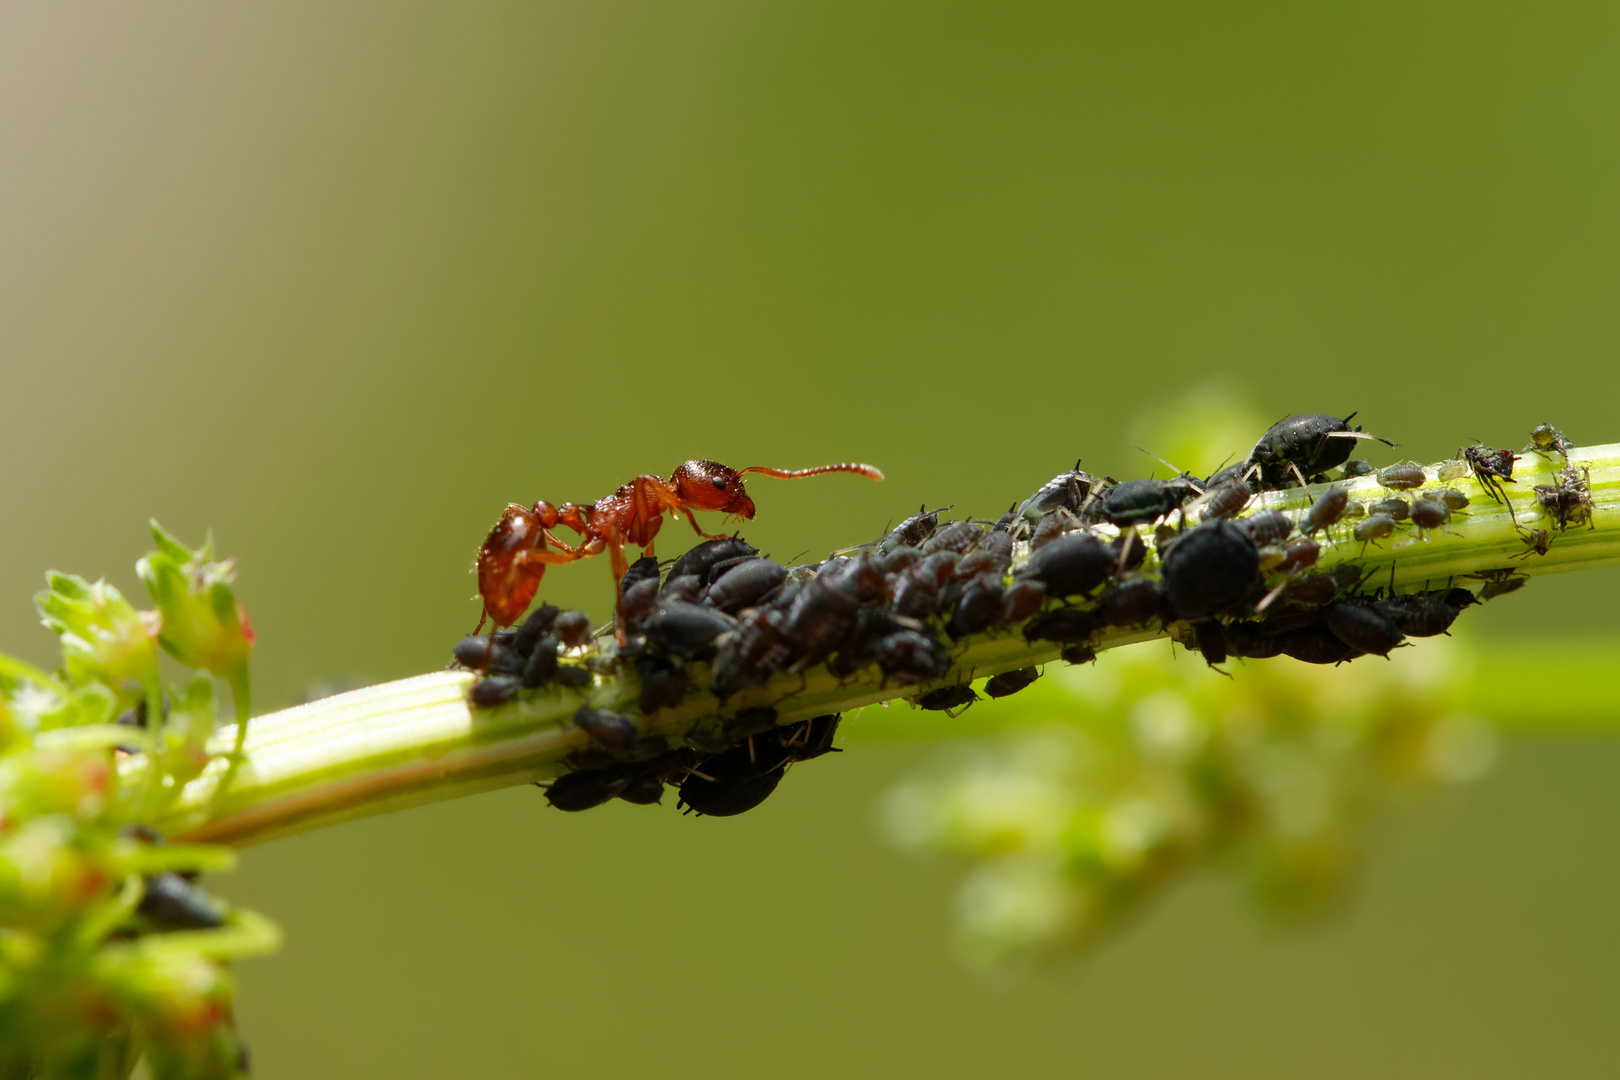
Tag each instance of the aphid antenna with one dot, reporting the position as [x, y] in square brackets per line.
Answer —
[1179, 473]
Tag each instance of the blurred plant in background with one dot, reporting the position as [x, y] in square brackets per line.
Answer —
[1122, 776]
[108, 948]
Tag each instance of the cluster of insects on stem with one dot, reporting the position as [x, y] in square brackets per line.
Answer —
[1080, 557]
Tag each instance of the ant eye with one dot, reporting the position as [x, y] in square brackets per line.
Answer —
[719, 482]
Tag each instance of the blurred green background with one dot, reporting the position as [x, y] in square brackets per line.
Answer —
[338, 281]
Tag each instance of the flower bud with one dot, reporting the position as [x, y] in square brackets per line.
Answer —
[104, 639]
[203, 625]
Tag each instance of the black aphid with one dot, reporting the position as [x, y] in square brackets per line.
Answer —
[1065, 625]
[1074, 563]
[700, 561]
[1010, 682]
[663, 682]
[1065, 491]
[494, 690]
[1325, 511]
[686, 630]
[745, 584]
[911, 532]
[1397, 508]
[947, 698]
[1209, 568]
[1362, 626]
[1299, 448]
[170, 902]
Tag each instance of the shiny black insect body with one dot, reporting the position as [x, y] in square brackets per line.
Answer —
[170, 902]
[736, 780]
[686, 630]
[1210, 637]
[1424, 614]
[495, 690]
[700, 561]
[1208, 569]
[978, 609]
[1022, 599]
[1073, 563]
[663, 682]
[912, 656]
[1065, 625]
[1065, 491]
[573, 628]
[1131, 603]
[1139, 502]
[1010, 682]
[745, 584]
[1299, 448]
[1363, 626]
[947, 698]
[1316, 644]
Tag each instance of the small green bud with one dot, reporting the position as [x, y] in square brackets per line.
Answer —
[203, 626]
[104, 639]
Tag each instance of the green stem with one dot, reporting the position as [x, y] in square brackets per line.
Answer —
[418, 741]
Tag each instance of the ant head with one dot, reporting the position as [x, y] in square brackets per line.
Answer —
[709, 485]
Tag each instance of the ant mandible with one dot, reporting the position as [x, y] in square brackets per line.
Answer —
[514, 556]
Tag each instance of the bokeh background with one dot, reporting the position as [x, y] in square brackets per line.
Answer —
[338, 281]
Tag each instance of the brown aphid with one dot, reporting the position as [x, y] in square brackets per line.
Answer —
[1376, 527]
[1454, 499]
[1325, 511]
[1403, 476]
[1430, 513]
[1399, 509]
[1314, 590]
[1300, 553]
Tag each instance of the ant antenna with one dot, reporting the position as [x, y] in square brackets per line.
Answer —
[870, 471]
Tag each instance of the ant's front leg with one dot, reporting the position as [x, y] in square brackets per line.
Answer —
[696, 527]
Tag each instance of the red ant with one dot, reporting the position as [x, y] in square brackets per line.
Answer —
[514, 556]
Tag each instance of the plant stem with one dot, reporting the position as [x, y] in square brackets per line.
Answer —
[417, 741]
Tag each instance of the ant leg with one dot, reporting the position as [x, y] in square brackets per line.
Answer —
[698, 528]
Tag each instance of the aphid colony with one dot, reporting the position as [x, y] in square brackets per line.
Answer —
[1081, 555]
